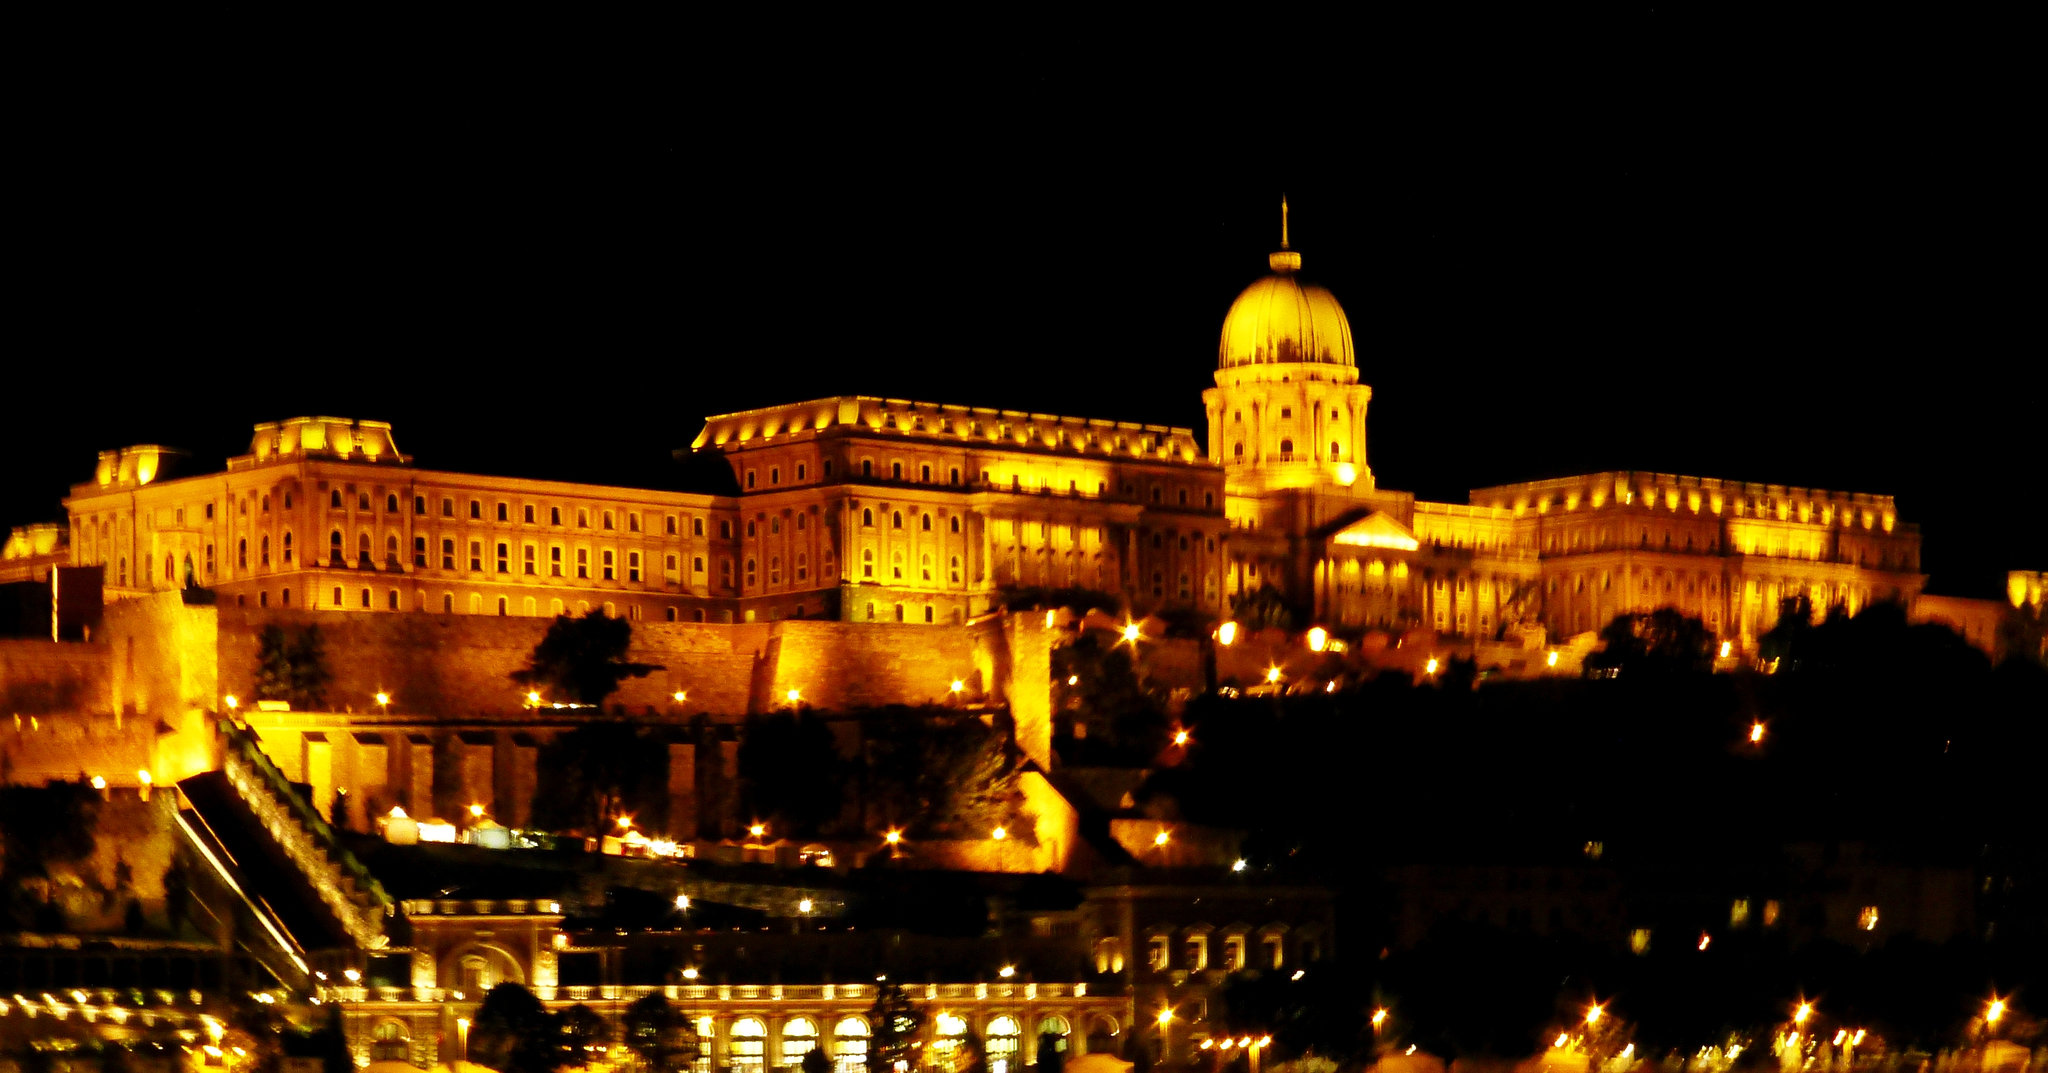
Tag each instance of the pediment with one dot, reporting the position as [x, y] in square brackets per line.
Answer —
[1377, 530]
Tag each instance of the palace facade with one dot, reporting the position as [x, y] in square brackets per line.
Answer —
[870, 509]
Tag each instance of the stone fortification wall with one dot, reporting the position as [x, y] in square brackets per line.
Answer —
[459, 666]
[43, 677]
[161, 654]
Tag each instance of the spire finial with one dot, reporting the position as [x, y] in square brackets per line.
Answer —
[1286, 260]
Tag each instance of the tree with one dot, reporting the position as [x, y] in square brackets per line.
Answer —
[583, 659]
[600, 771]
[661, 1036]
[944, 776]
[1261, 608]
[790, 770]
[291, 666]
[895, 1024]
[815, 1061]
[1665, 641]
[577, 1030]
[513, 1032]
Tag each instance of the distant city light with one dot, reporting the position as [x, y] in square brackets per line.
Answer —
[1804, 1011]
[957, 686]
[794, 696]
[1165, 1016]
[1430, 667]
[1756, 733]
[533, 697]
[682, 901]
[679, 696]
[892, 836]
[1994, 1012]
[1593, 1013]
[383, 699]
[1226, 634]
[804, 905]
[1239, 865]
[1379, 1017]
[1132, 633]
[1273, 674]
[1551, 659]
[1073, 679]
[690, 973]
[1318, 639]
[999, 833]
[625, 821]
[99, 782]
[1705, 939]
[757, 830]
[231, 701]
[1007, 971]
[476, 810]
[1727, 647]
[1180, 737]
[1161, 838]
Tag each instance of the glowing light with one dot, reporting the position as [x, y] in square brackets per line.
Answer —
[757, 830]
[1804, 1011]
[1840, 1035]
[99, 782]
[689, 974]
[1593, 1013]
[1857, 1040]
[1379, 1017]
[679, 696]
[1229, 1043]
[1705, 939]
[1165, 1016]
[1561, 1040]
[352, 976]
[804, 905]
[1994, 1012]
[892, 836]
[625, 821]
[1727, 648]
[1298, 974]
[1007, 971]
[1161, 838]
[383, 699]
[1551, 659]
[1180, 737]
[1226, 634]
[1756, 733]
[999, 833]
[533, 697]
[1318, 639]
[1050, 618]
[1073, 679]
[682, 901]
[1240, 865]
[476, 810]
[1330, 686]
[1132, 633]
[794, 696]
[1273, 675]
[1430, 667]
[231, 701]
[958, 686]
[144, 776]
[1346, 473]
[397, 813]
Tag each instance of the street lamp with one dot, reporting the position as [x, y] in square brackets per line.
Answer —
[1593, 1013]
[384, 701]
[680, 695]
[1756, 733]
[232, 701]
[1994, 1012]
[1800, 1015]
[1180, 737]
[1226, 634]
[1132, 633]
[756, 831]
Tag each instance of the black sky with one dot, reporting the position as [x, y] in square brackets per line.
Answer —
[1798, 253]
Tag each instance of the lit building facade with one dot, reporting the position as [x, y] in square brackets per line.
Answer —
[870, 509]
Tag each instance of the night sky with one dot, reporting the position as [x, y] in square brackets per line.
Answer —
[1805, 254]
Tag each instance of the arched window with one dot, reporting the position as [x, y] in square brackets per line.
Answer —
[953, 570]
[362, 501]
[896, 520]
[799, 1037]
[1001, 1049]
[1286, 448]
[1335, 449]
[867, 517]
[926, 523]
[263, 551]
[242, 554]
[924, 567]
[955, 522]
[747, 1047]
[391, 1043]
[850, 1046]
[334, 547]
[951, 1027]
[391, 503]
[363, 548]
[334, 499]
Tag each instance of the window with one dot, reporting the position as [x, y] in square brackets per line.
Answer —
[1233, 953]
[528, 513]
[802, 566]
[334, 499]
[555, 560]
[393, 601]
[476, 555]
[504, 512]
[1197, 952]
[747, 1046]
[609, 563]
[799, 1037]
[750, 530]
[1286, 448]
[924, 473]
[867, 562]
[954, 523]
[750, 478]
[263, 552]
[670, 521]
[725, 529]
[447, 555]
[632, 521]
[447, 603]
[476, 510]
[266, 503]
[928, 612]
[334, 547]
[554, 515]
[1867, 920]
[925, 523]
[800, 523]
[583, 563]
[867, 518]
[867, 467]
[953, 570]
[696, 564]
[750, 572]
[503, 609]
[390, 505]
[633, 566]
[800, 471]
[774, 474]
[582, 517]
[896, 520]
[697, 527]
[1156, 954]
[896, 566]
[608, 521]
[419, 504]
[1275, 955]
[953, 475]
[337, 596]
[504, 558]
[850, 1046]
[447, 507]
[775, 526]
[528, 560]
[895, 471]
[366, 598]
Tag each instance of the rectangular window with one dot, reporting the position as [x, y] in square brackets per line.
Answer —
[447, 507]
[504, 558]
[799, 476]
[419, 551]
[582, 517]
[670, 523]
[632, 521]
[1157, 953]
[608, 553]
[696, 527]
[554, 515]
[583, 563]
[447, 555]
[555, 561]
[529, 514]
[528, 556]
[419, 504]
[504, 512]
[633, 566]
[476, 555]
[476, 509]
[608, 521]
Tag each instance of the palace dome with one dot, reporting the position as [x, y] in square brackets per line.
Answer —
[1277, 319]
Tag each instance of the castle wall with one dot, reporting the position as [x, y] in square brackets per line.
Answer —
[41, 677]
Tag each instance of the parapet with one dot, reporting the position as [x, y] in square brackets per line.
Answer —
[1013, 429]
[340, 438]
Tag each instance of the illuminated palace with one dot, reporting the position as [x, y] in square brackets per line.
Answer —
[869, 509]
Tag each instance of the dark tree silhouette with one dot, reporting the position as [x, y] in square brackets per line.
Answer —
[577, 1030]
[790, 771]
[291, 666]
[513, 1032]
[895, 1023]
[583, 659]
[659, 1034]
[600, 771]
[943, 776]
[1665, 641]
